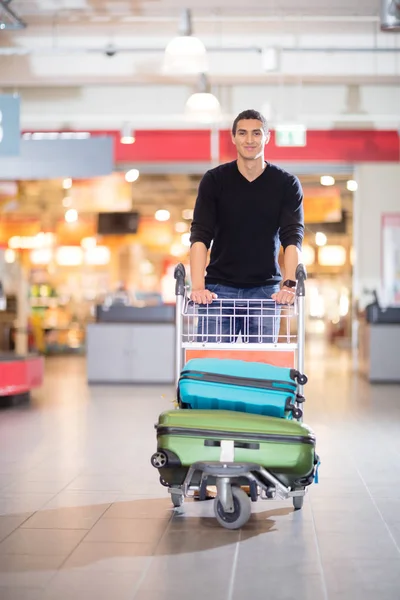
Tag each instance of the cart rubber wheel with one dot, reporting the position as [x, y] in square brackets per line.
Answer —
[298, 502]
[159, 459]
[177, 500]
[240, 514]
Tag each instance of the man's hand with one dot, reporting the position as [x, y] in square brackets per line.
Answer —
[284, 296]
[202, 296]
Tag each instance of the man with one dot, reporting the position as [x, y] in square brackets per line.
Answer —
[247, 209]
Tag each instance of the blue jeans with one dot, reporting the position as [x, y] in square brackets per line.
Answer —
[252, 315]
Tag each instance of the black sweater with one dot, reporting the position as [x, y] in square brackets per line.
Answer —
[247, 222]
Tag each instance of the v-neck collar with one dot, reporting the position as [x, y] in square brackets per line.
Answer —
[254, 180]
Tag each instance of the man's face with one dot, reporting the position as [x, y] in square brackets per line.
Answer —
[250, 139]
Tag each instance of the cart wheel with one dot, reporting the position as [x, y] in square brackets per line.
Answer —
[177, 500]
[298, 502]
[240, 514]
[302, 379]
[159, 459]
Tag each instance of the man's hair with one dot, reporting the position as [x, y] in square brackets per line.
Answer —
[250, 114]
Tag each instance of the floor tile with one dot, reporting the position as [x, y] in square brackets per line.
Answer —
[139, 531]
[18, 593]
[108, 556]
[83, 585]
[87, 483]
[42, 541]
[366, 545]
[32, 487]
[10, 523]
[77, 499]
[28, 570]
[300, 582]
[197, 540]
[23, 503]
[83, 515]
[168, 573]
[363, 578]
[140, 508]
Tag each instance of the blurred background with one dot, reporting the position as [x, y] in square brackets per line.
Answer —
[112, 112]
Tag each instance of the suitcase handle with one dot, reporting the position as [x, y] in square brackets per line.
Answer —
[246, 445]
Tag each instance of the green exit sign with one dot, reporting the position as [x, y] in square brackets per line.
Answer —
[290, 135]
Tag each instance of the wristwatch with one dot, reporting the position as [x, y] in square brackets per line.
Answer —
[289, 283]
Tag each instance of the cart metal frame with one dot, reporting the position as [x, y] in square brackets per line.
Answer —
[229, 502]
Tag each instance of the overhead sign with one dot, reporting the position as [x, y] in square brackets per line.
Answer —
[9, 125]
[53, 159]
[290, 134]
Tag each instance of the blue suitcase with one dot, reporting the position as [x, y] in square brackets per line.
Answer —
[250, 387]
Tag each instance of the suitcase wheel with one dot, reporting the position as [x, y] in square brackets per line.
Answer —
[177, 500]
[297, 413]
[298, 502]
[302, 379]
[159, 459]
[240, 514]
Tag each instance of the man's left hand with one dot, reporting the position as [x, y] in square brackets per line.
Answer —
[284, 296]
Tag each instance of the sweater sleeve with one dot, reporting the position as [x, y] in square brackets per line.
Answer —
[291, 225]
[204, 217]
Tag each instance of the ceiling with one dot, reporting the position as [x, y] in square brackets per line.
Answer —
[35, 10]
[80, 46]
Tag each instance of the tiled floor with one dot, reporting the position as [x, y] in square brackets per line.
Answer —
[83, 517]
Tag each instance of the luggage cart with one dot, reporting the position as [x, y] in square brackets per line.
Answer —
[211, 331]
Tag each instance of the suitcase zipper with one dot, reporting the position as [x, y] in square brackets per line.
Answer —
[265, 384]
[260, 437]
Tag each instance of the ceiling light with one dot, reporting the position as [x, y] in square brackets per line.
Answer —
[69, 256]
[177, 250]
[202, 105]
[185, 54]
[187, 214]
[270, 59]
[162, 215]
[67, 183]
[308, 255]
[88, 243]
[327, 180]
[320, 238]
[71, 215]
[352, 185]
[181, 227]
[127, 135]
[41, 256]
[10, 256]
[97, 255]
[185, 239]
[332, 256]
[132, 175]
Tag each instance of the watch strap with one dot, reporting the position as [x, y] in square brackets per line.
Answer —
[289, 283]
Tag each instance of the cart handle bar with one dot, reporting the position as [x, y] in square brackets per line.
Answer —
[180, 274]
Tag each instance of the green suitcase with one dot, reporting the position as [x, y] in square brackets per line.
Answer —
[185, 437]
